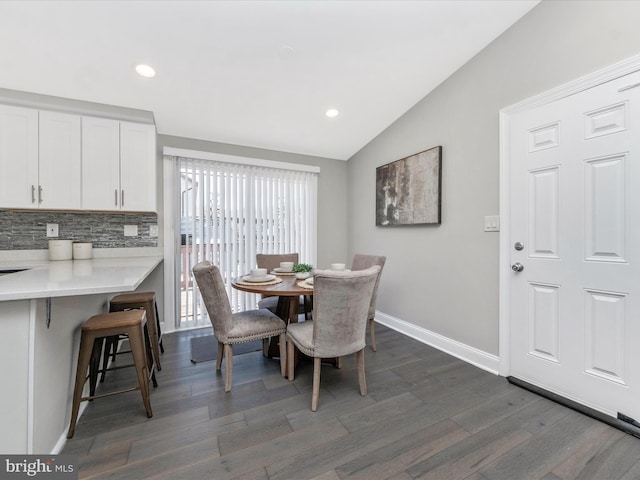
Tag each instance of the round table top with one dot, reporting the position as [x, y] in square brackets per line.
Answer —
[287, 288]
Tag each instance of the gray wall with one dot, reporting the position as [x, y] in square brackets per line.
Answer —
[445, 278]
[332, 189]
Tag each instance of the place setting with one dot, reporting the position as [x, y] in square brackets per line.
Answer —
[308, 282]
[259, 276]
[285, 269]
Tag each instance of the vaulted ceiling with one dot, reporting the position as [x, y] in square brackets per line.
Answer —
[254, 73]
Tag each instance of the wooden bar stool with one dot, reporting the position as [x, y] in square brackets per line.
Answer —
[131, 323]
[139, 300]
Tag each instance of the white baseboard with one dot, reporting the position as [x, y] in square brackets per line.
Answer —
[57, 448]
[478, 358]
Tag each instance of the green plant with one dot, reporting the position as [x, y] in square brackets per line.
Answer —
[302, 267]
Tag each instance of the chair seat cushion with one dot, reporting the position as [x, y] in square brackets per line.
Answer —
[301, 334]
[254, 325]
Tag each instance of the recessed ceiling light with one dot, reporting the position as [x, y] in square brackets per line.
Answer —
[332, 112]
[145, 71]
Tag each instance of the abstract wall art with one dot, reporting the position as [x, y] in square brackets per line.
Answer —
[408, 191]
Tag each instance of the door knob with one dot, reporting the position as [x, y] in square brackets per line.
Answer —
[517, 267]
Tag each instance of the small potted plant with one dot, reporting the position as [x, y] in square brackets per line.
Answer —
[302, 270]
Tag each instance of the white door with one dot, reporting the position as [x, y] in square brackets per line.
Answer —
[575, 208]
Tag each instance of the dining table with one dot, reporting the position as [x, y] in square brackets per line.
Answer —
[286, 287]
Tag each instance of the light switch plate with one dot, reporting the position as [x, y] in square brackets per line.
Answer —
[52, 229]
[153, 230]
[130, 230]
[492, 223]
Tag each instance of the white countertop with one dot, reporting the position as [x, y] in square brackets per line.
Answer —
[46, 278]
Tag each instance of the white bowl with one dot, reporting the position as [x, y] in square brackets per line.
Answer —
[259, 272]
[286, 266]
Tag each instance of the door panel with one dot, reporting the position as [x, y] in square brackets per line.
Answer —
[544, 321]
[575, 204]
[605, 209]
[544, 214]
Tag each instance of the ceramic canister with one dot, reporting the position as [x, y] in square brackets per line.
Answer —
[60, 250]
[82, 250]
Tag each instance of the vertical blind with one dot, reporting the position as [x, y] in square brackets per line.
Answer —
[230, 212]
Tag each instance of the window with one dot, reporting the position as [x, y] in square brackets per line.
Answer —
[229, 212]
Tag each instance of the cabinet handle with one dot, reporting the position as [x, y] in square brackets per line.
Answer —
[122, 199]
[116, 196]
[39, 194]
[33, 194]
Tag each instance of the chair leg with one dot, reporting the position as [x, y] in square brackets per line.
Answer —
[151, 366]
[86, 347]
[228, 356]
[94, 365]
[108, 345]
[154, 334]
[361, 377]
[283, 354]
[308, 306]
[290, 363]
[139, 353]
[317, 363]
[219, 359]
[158, 327]
[372, 333]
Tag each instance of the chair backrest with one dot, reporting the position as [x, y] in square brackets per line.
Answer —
[271, 261]
[361, 262]
[214, 296]
[340, 308]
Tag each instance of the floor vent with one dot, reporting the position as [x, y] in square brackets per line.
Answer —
[624, 423]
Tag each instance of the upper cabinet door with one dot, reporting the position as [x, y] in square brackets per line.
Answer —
[100, 164]
[59, 169]
[18, 157]
[138, 167]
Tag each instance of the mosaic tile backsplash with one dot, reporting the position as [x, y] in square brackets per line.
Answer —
[25, 230]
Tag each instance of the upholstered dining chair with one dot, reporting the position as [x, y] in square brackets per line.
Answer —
[233, 328]
[361, 262]
[270, 262]
[340, 311]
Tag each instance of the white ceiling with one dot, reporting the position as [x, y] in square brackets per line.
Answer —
[254, 73]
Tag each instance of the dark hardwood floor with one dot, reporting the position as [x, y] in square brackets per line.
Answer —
[427, 416]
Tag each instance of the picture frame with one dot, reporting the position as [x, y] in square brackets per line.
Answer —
[409, 190]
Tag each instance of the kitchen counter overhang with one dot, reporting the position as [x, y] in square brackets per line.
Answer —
[48, 279]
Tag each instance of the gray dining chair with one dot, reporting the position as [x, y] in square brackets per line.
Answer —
[361, 262]
[340, 310]
[233, 328]
[270, 261]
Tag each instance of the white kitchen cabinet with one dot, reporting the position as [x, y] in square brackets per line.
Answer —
[39, 159]
[60, 161]
[118, 165]
[18, 157]
[100, 164]
[59, 165]
[138, 166]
